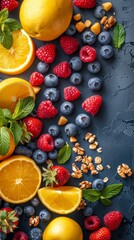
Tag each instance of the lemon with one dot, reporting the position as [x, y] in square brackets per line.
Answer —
[45, 19]
[63, 228]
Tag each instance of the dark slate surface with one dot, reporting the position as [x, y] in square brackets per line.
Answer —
[114, 125]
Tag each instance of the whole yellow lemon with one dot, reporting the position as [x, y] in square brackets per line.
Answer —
[45, 19]
[63, 228]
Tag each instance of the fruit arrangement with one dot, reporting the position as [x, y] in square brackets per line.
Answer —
[53, 46]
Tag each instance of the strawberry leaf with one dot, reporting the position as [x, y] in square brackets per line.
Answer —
[16, 131]
[23, 108]
[4, 140]
[64, 154]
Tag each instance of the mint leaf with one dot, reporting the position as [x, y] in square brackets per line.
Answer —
[111, 190]
[23, 108]
[13, 24]
[91, 195]
[7, 113]
[105, 201]
[4, 140]
[6, 38]
[3, 15]
[119, 35]
[64, 154]
[16, 131]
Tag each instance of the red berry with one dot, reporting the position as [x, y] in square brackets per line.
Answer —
[87, 54]
[85, 3]
[113, 219]
[92, 223]
[101, 234]
[36, 79]
[46, 53]
[9, 4]
[71, 93]
[92, 104]
[20, 236]
[69, 44]
[62, 70]
[46, 110]
[33, 125]
[45, 143]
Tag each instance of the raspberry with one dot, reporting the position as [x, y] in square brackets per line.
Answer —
[101, 234]
[46, 53]
[62, 70]
[33, 125]
[87, 54]
[92, 104]
[92, 223]
[45, 143]
[71, 93]
[36, 79]
[46, 110]
[20, 235]
[9, 4]
[69, 44]
[85, 3]
[113, 219]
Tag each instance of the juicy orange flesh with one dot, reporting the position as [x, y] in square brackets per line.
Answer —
[18, 181]
[15, 56]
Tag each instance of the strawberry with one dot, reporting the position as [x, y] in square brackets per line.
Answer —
[85, 3]
[62, 70]
[71, 93]
[36, 79]
[92, 223]
[92, 104]
[9, 4]
[33, 126]
[69, 44]
[45, 143]
[113, 219]
[101, 234]
[87, 54]
[20, 236]
[8, 220]
[55, 176]
[46, 53]
[46, 110]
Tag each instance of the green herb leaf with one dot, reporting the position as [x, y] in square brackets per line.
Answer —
[4, 140]
[64, 154]
[16, 131]
[6, 38]
[3, 15]
[7, 113]
[13, 24]
[105, 201]
[23, 108]
[91, 195]
[119, 35]
[111, 190]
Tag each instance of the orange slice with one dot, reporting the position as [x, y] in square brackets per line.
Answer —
[12, 89]
[62, 200]
[20, 56]
[20, 178]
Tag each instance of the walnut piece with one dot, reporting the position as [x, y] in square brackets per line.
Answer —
[99, 150]
[124, 171]
[98, 160]
[82, 205]
[34, 221]
[99, 167]
[106, 179]
[87, 159]
[85, 184]
[93, 146]
[108, 22]
[78, 149]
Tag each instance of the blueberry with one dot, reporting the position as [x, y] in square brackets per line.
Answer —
[53, 154]
[59, 143]
[32, 145]
[6, 204]
[42, 67]
[52, 94]
[66, 108]
[98, 184]
[76, 63]
[23, 150]
[82, 120]
[94, 67]
[39, 156]
[71, 30]
[29, 210]
[95, 83]
[88, 211]
[54, 130]
[88, 37]
[71, 129]
[44, 215]
[35, 202]
[76, 78]
[106, 51]
[18, 210]
[99, 12]
[104, 38]
[35, 234]
[51, 80]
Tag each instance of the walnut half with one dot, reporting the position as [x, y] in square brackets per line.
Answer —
[124, 171]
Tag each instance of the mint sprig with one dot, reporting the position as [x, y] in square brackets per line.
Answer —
[4, 140]
[23, 108]
[93, 195]
[119, 35]
[64, 154]
[7, 26]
